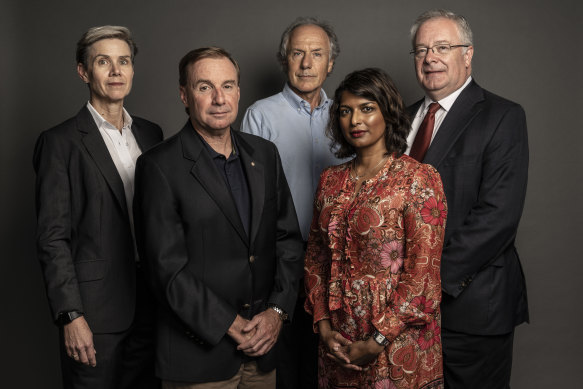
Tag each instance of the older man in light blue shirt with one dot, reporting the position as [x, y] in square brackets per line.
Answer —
[295, 120]
[299, 133]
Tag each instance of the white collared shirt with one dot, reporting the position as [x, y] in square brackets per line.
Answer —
[445, 103]
[124, 151]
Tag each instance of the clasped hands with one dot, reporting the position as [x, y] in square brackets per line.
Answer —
[348, 354]
[257, 336]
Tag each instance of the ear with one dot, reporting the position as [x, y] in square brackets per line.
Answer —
[468, 56]
[82, 72]
[183, 96]
[330, 66]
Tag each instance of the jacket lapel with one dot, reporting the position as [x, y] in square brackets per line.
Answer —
[254, 170]
[206, 173]
[458, 118]
[96, 147]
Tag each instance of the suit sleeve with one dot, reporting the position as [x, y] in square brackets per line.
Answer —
[53, 234]
[162, 247]
[490, 227]
[289, 246]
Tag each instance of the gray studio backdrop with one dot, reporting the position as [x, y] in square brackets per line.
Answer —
[527, 51]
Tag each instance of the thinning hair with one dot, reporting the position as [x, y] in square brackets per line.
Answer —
[196, 55]
[307, 21]
[464, 30]
[375, 85]
[98, 33]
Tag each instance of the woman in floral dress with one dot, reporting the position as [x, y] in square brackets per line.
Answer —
[373, 256]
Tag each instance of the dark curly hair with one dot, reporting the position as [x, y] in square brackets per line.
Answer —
[376, 85]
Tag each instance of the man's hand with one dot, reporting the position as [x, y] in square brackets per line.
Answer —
[79, 342]
[265, 327]
[235, 331]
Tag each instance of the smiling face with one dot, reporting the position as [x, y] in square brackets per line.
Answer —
[441, 75]
[362, 123]
[109, 72]
[308, 61]
[211, 95]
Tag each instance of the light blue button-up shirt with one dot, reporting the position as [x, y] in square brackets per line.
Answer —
[286, 120]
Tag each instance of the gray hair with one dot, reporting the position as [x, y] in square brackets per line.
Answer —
[463, 26]
[304, 21]
[95, 34]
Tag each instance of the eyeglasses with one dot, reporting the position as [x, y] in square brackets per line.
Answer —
[441, 49]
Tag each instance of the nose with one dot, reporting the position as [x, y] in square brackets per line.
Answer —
[218, 96]
[430, 56]
[306, 61]
[355, 118]
[115, 69]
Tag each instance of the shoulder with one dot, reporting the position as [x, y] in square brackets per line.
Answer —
[417, 171]
[267, 104]
[146, 124]
[255, 141]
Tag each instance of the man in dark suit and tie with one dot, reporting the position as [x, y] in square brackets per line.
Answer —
[84, 192]
[218, 232]
[478, 143]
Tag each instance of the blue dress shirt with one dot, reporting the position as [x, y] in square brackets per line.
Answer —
[286, 120]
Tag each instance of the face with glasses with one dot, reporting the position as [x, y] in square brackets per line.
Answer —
[442, 61]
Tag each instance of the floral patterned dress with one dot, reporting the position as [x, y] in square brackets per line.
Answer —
[373, 262]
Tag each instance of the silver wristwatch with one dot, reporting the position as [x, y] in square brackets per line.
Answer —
[282, 315]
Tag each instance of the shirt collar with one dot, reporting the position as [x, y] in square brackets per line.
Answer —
[298, 103]
[101, 122]
[447, 102]
[213, 153]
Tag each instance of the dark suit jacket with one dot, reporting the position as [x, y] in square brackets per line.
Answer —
[84, 240]
[481, 153]
[203, 266]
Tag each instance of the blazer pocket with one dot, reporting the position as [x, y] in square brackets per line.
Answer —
[91, 270]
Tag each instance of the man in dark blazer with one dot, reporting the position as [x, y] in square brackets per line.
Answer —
[218, 232]
[84, 191]
[478, 143]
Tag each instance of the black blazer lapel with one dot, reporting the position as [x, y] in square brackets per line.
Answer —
[254, 171]
[206, 173]
[96, 147]
[458, 118]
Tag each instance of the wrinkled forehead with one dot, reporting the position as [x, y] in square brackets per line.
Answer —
[215, 70]
[309, 34]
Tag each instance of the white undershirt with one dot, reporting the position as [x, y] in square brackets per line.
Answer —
[445, 103]
[124, 151]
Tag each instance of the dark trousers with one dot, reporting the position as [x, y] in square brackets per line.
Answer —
[125, 360]
[297, 353]
[476, 361]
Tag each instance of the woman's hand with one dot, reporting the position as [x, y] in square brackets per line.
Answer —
[336, 344]
[363, 352]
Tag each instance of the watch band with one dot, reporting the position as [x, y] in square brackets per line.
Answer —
[67, 317]
[282, 314]
[380, 338]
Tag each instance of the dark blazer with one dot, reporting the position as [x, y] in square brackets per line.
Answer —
[202, 265]
[481, 153]
[84, 240]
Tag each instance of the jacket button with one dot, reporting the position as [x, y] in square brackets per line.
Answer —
[246, 306]
[251, 259]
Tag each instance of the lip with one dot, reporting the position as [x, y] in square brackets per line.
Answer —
[116, 84]
[357, 133]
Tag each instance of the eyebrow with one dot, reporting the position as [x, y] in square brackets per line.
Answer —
[203, 81]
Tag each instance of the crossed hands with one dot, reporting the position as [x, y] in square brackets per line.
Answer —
[348, 354]
[257, 336]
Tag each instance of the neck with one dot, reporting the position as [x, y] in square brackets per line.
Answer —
[112, 112]
[219, 141]
[312, 97]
